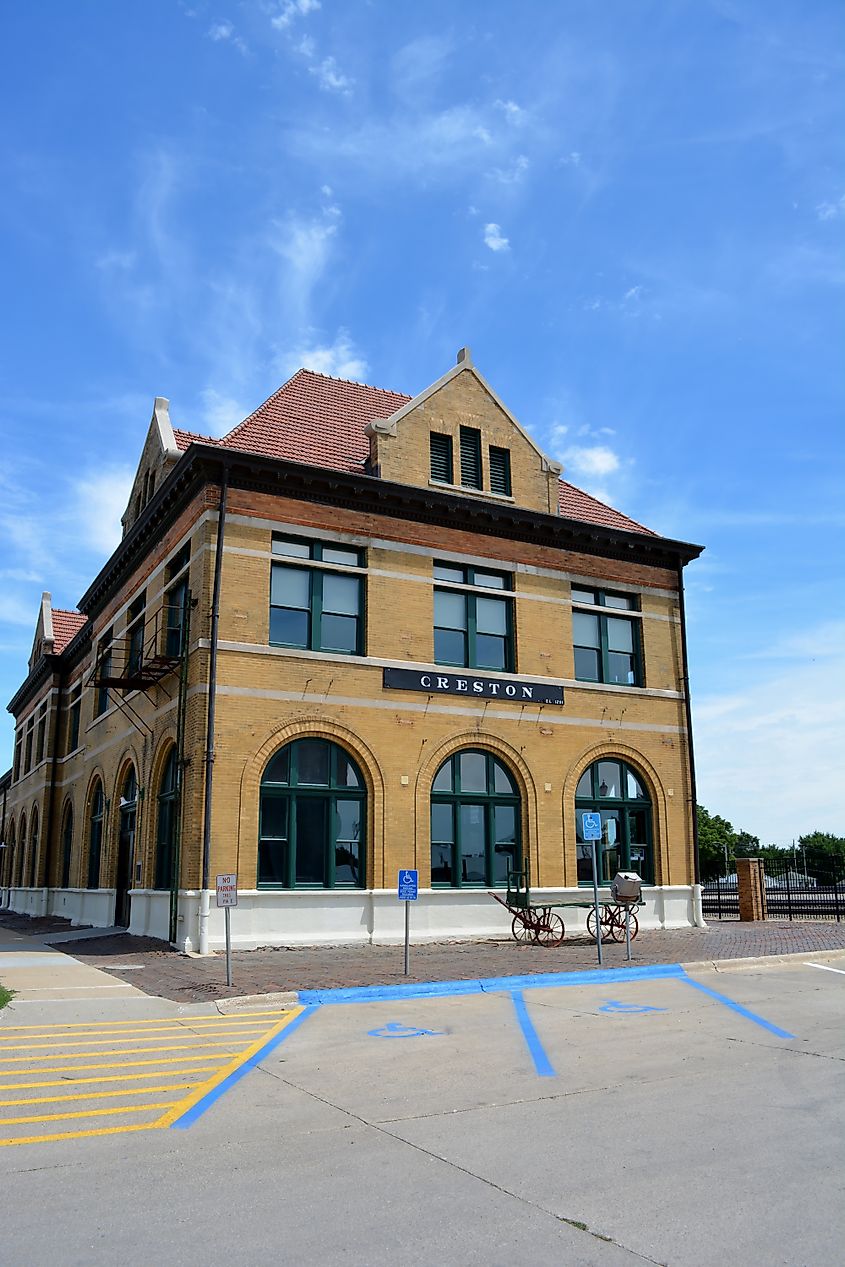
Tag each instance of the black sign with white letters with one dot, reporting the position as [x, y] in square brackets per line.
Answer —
[458, 682]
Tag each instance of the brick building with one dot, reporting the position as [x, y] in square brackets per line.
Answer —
[361, 632]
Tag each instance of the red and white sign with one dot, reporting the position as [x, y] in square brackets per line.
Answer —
[227, 890]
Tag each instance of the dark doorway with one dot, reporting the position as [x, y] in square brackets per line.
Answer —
[125, 850]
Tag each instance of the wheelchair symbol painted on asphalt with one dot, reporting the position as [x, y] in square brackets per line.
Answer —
[394, 1030]
[614, 1006]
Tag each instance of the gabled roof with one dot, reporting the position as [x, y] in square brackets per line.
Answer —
[574, 503]
[66, 625]
[184, 438]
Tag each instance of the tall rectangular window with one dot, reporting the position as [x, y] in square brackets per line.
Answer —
[104, 668]
[174, 601]
[27, 758]
[18, 756]
[607, 645]
[500, 471]
[442, 466]
[135, 635]
[317, 599]
[74, 709]
[41, 734]
[473, 628]
[470, 457]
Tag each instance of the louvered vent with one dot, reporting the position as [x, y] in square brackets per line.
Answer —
[500, 471]
[441, 458]
[470, 457]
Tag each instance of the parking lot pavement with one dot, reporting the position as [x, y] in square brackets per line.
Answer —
[185, 979]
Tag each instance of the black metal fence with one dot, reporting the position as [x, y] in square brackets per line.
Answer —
[793, 891]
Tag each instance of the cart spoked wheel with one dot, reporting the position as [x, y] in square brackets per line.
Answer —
[606, 923]
[550, 928]
[618, 930]
[522, 927]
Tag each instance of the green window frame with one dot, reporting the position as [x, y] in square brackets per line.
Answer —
[476, 829]
[96, 815]
[67, 846]
[315, 607]
[104, 668]
[135, 634]
[500, 471]
[470, 449]
[607, 643]
[473, 618]
[442, 461]
[33, 849]
[312, 819]
[167, 822]
[615, 790]
[74, 711]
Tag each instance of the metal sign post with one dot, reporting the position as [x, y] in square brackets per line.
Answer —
[227, 897]
[591, 830]
[408, 892]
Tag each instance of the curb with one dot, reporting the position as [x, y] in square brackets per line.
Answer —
[282, 998]
[764, 961]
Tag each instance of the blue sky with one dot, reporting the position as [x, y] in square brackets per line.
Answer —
[632, 212]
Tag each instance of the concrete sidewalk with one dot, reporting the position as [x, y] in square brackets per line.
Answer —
[36, 972]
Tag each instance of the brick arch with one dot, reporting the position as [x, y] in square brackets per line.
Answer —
[511, 757]
[311, 727]
[642, 766]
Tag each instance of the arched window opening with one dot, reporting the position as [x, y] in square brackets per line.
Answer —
[616, 792]
[21, 851]
[128, 810]
[312, 818]
[167, 824]
[475, 822]
[9, 856]
[96, 815]
[67, 846]
[33, 850]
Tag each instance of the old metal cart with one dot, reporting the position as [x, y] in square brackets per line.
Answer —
[540, 922]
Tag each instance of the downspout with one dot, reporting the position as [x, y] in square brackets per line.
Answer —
[205, 896]
[698, 914]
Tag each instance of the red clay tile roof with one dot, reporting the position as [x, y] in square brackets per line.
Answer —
[321, 421]
[65, 625]
[184, 438]
[316, 419]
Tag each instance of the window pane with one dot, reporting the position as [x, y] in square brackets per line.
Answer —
[289, 627]
[502, 780]
[620, 634]
[621, 669]
[449, 572]
[290, 587]
[634, 787]
[619, 600]
[450, 647]
[490, 653]
[587, 665]
[490, 580]
[347, 774]
[443, 778]
[610, 848]
[584, 790]
[583, 596]
[491, 616]
[272, 861]
[347, 862]
[312, 762]
[450, 610]
[504, 820]
[585, 630]
[441, 864]
[311, 822]
[293, 549]
[504, 860]
[274, 817]
[610, 782]
[339, 633]
[348, 819]
[336, 554]
[473, 772]
[341, 594]
[278, 769]
[472, 844]
[442, 824]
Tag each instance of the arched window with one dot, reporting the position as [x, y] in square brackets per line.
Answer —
[613, 790]
[67, 846]
[475, 822]
[19, 872]
[168, 821]
[33, 850]
[311, 831]
[9, 856]
[95, 834]
[125, 848]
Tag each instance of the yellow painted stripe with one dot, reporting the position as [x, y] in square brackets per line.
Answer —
[99, 1130]
[129, 1064]
[197, 1094]
[96, 1095]
[112, 1077]
[67, 1117]
[136, 1038]
[115, 1051]
[159, 1020]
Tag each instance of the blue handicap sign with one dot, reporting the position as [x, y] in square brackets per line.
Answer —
[591, 826]
[408, 886]
[614, 1006]
[395, 1030]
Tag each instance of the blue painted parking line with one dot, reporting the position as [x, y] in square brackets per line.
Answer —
[541, 1061]
[737, 1007]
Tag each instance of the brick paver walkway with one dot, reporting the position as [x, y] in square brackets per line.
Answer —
[171, 975]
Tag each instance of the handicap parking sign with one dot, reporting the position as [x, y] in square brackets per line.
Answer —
[408, 886]
[591, 826]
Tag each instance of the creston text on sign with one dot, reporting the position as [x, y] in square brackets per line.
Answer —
[450, 683]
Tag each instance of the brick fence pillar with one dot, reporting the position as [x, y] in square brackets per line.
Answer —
[752, 888]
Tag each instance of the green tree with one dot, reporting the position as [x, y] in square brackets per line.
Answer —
[823, 850]
[719, 845]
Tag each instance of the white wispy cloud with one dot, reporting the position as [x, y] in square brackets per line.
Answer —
[340, 359]
[291, 10]
[224, 32]
[98, 500]
[591, 461]
[512, 112]
[331, 78]
[831, 210]
[495, 239]
[514, 173]
[220, 412]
